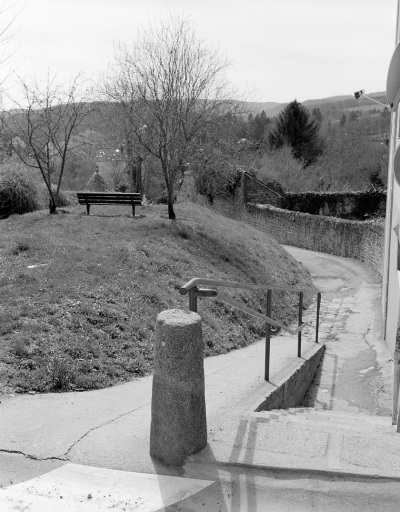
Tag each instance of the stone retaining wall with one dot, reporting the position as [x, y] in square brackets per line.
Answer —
[363, 241]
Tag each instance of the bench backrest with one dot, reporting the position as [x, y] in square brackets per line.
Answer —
[109, 197]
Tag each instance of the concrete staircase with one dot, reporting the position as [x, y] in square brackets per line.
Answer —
[309, 440]
[331, 421]
[297, 460]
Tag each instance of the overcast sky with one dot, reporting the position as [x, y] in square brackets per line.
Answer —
[282, 49]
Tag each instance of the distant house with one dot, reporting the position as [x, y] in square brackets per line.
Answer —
[97, 183]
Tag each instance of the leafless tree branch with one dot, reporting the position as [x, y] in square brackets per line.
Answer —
[40, 131]
[169, 86]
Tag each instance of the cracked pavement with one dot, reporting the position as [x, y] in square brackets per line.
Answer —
[42, 432]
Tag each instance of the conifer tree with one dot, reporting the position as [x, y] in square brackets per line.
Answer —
[294, 128]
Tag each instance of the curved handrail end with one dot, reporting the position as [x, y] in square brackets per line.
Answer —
[183, 290]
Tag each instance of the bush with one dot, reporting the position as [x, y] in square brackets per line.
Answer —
[44, 197]
[346, 205]
[62, 199]
[163, 198]
[18, 190]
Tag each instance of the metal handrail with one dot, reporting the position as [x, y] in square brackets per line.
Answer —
[232, 302]
[183, 290]
[191, 288]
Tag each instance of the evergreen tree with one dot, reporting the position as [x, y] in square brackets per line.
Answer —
[295, 129]
[353, 116]
[257, 125]
[317, 116]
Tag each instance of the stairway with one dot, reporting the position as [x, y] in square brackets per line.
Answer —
[297, 460]
[330, 421]
[309, 440]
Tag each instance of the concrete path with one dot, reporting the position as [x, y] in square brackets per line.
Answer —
[358, 369]
[320, 459]
[110, 428]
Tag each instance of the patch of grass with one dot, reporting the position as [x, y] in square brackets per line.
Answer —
[183, 231]
[83, 315]
[21, 246]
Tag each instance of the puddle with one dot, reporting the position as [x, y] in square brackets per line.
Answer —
[328, 284]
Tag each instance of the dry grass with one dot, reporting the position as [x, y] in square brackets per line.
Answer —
[79, 295]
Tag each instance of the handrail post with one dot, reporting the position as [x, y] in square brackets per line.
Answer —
[318, 311]
[300, 322]
[193, 299]
[268, 336]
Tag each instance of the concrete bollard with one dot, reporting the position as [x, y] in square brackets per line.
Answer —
[178, 407]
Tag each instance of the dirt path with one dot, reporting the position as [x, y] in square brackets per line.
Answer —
[356, 373]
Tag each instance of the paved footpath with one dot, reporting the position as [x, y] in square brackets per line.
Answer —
[357, 369]
[339, 454]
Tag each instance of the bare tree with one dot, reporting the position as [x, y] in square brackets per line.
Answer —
[169, 87]
[41, 130]
[7, 23]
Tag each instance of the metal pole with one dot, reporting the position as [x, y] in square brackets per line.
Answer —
[268, 336]
[318, 310]
[193, 299]
[300, 322]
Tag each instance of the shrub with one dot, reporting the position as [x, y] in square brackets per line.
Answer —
[163, 198]
[62, 199]
[346, 205]
[18, 190]
[60, 373]
[21, 245]
[44, 197]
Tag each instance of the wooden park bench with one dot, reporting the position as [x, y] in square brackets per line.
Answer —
[89, 198]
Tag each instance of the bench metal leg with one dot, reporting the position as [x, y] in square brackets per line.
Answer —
[87, 209]
[133, 210]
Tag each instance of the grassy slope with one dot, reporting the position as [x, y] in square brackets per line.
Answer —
[84, 318]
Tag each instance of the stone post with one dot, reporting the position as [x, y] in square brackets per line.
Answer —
[178, 409]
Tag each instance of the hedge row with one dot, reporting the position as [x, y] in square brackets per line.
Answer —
[345, 205]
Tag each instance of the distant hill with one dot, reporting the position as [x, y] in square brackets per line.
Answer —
[333, 103]
[267, 106]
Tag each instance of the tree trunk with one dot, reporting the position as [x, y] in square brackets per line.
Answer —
[138, 178]
[52, 205]
[171, 213]
[131, 164]
[132, 176]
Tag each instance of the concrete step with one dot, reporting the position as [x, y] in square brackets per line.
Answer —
[309, 440]
[328, 419]
[204, 488]
[244, 489]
